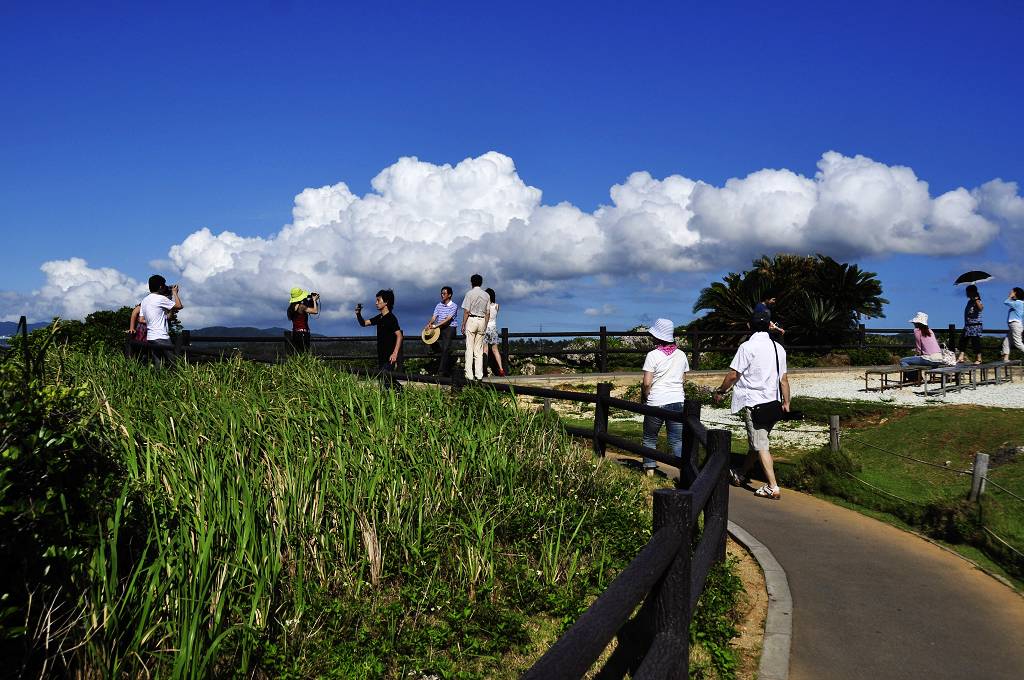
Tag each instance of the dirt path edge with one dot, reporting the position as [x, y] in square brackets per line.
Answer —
[778, 625]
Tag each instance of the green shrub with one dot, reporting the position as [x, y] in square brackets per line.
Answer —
[56, 481]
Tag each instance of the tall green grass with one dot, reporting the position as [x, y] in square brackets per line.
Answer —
[299, 522]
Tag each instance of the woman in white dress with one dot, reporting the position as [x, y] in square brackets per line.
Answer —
[491, 332]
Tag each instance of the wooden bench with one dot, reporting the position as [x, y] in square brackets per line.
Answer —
[906, 376]
[995, 372]
[957, 373]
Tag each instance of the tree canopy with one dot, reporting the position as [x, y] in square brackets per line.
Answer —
[817, 298]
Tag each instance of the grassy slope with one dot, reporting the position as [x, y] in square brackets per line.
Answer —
[304, 523]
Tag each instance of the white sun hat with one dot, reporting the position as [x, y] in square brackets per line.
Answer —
[920, 318]
[663, 330]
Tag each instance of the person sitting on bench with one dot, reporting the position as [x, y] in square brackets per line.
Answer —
[929, 354]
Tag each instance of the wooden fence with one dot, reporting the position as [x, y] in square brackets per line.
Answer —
[694, 342]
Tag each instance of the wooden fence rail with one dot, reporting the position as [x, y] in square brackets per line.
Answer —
[695, 342]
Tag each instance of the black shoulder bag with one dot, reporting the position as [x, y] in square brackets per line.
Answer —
[764, 416]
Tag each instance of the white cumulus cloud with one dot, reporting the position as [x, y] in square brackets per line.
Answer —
[423, 225]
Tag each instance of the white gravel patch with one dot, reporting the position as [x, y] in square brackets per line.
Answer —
[790, 433]
[851, 387]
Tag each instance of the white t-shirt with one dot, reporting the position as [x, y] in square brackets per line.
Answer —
[759, 381]
[154, 310]
[667, 386]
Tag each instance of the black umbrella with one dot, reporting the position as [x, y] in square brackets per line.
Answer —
[972, 277]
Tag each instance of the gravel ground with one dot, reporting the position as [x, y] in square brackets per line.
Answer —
[851, 386]
[835, 384]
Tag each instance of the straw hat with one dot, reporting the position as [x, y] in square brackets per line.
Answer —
[430, 335]
[663, 330]
[920, 318]
[298, 295]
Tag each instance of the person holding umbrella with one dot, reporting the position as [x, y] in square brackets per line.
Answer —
[972, 326]
[1014, 319]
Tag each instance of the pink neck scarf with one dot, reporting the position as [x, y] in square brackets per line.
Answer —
[667, 349]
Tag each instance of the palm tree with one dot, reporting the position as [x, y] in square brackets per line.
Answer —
[819, 299]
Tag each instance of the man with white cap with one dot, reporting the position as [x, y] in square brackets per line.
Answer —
[758, 372]
[665, 368]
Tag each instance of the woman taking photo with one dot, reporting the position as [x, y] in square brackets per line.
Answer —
[665, 368]
[929, 354]
[972, 326]
[300, 305]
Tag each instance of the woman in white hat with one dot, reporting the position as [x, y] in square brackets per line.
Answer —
[665, 368]
[301, 304]
[929, 353]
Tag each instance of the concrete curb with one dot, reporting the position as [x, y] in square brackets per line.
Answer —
[778, 625]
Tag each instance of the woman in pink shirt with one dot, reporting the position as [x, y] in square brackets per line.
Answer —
[928, 351]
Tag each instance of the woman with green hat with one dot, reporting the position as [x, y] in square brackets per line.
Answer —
[301, 304]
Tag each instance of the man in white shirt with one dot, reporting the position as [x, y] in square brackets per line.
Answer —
[474, 323]
[758, 372]
[155, 307]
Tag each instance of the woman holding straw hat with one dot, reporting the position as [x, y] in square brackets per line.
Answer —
[301, 304]
[665, 368]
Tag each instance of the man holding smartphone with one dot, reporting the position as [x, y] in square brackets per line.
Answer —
[389, 332]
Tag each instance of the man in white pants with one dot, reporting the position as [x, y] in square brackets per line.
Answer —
[1014, 319]
[474, 322]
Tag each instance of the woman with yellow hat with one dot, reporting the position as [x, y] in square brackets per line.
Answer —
[301, 304]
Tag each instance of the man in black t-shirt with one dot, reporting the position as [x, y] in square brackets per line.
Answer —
[389, 333]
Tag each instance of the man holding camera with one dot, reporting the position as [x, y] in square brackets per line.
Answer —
[758, 372]
[155, 308]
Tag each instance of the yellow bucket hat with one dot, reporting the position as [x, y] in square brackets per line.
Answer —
[298, 295]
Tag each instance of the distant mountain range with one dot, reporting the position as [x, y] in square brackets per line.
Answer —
[238, 331]
[9, 327]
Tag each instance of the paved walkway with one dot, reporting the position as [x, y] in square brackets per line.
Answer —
[872, 601]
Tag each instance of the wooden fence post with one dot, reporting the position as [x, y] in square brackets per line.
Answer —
[978, 476]
[950, 338]
[672, 594]
[504, 351]
[604, 391]
[26, 356]
[833, 434]
[717, 509]
[602, 364]
[695, 350]
[691, 446]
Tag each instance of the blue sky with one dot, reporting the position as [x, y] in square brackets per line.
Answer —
[127, 131]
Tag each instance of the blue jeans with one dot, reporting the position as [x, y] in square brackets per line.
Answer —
[652, 426]
[919, 361]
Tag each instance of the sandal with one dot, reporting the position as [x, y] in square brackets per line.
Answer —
[736, 479]
[767, 492]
